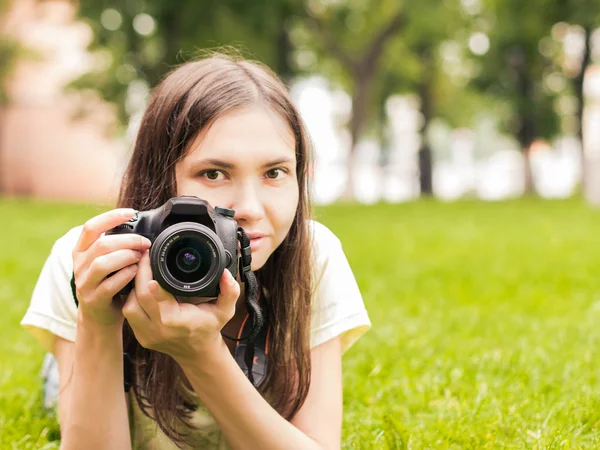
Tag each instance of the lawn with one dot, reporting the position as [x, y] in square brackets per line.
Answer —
[485, 323]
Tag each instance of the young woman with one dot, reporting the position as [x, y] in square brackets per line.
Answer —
[224, 130]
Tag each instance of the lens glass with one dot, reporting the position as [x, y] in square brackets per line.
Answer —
[189, 259]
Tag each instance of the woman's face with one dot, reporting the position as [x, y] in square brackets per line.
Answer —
[246, 161]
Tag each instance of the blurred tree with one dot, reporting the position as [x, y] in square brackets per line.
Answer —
[415, 64]
[141, 40]
[345, 42]
[377, 49]
[586, 14]
[514, 69]
[372, 49]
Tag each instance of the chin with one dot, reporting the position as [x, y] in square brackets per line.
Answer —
[257, 265]
[260, 258]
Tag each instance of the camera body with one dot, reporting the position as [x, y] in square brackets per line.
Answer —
[192, 244]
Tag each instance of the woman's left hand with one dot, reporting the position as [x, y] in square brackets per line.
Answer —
[182, 330]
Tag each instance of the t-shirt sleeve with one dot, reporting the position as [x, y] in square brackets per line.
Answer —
[338, 308]
[52, 311]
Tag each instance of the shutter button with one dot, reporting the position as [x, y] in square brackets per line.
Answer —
[225, 211]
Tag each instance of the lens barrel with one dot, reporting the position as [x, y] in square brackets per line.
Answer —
[187, 259]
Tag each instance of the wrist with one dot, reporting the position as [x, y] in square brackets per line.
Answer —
[204, 362]
[99, 341]
[85, 322]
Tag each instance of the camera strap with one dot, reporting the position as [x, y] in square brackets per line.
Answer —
[258, 350]
[251, 349]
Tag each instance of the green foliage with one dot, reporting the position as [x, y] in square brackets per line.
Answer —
[410, 58]
[582, 12]
[11, 52]
[9, 55]
[430, 24]
[484, 319]
[181, 30]
[513, 69]
[293, 37]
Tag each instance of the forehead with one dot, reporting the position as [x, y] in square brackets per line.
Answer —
[245, 135]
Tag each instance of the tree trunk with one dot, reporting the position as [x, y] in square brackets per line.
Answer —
[580, 97]
[426, 170]
[363, 70]
[360, 102]
[525, 136]
[425, 155]
[527, 123]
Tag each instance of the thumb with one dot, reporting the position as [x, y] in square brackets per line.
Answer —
[228, 296]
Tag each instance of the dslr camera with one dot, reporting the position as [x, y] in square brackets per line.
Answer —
[192, 244]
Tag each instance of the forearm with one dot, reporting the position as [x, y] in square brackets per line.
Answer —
[245, 418]
[97, 411]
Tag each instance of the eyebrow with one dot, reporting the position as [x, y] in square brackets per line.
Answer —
[226, 165]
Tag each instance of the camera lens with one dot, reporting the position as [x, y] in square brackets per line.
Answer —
[189, 259]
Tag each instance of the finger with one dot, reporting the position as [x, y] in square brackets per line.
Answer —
[230, 292]
[104, 265]
[144, 297]
[168, 306]
[94, 227]
[134, 313]
[144, 273]
[112, 285]
[159, 293]
[111, 243]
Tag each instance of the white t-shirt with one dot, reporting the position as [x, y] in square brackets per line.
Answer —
[337, 310]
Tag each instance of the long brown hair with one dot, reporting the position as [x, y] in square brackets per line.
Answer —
[190, 98]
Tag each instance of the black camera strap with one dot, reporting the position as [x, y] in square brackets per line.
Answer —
[254, 322]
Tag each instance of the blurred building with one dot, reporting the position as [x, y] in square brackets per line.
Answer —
[44, 150]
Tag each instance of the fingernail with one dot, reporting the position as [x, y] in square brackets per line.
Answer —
[147, 242]
[128, 212]
[230, 279]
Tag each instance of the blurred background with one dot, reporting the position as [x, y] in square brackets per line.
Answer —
[488, 99]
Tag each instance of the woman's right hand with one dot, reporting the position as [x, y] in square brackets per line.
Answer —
[95, 256]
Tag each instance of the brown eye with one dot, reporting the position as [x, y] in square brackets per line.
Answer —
[212, 175]
[273, 174]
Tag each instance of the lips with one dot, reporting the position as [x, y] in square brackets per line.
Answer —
[255, 244]
[256, 239]
[255, 235]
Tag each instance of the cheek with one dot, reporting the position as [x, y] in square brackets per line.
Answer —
[186, 186]
[283, 210]
[216, 197]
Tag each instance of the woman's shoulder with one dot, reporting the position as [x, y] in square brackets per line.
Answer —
[327, 250]
[337, 306]
[322, 238]
[64, 244]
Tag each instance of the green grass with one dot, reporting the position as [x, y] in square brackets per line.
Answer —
[485, 324]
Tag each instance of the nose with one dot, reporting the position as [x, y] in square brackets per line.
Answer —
[248, 204]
